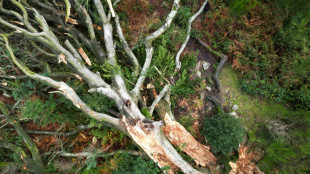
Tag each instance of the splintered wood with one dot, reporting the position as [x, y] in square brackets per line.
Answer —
[180, 137]
[84, 55]
[147, 136]
[244, 165]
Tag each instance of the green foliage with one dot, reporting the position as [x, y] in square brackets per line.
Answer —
[187, 122]
[276, 154]
[48, 111]
[240, 7]
[163, 60]
[23, 89]
[183, 16]
[146, 113]
[174, 36]
[223, 132]
[108, 135]
[99, 103]
[135, 165]
[289, 82]
[269, 45]
[95, 170]
[91, 163]
[185, 85]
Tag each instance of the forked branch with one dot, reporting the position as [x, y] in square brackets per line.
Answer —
[149, 49]
[63, 88]
[189, 28]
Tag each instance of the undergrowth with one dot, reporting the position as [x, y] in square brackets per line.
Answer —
[269, 46]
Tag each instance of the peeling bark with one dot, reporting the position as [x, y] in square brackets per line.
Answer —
[180, 137]
[151, 139]
[151, 136]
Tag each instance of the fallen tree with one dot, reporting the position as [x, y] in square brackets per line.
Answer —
[156, 138]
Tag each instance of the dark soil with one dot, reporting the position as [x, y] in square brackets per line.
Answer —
[190, 108]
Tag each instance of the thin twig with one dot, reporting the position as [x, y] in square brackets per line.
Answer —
[99, 154]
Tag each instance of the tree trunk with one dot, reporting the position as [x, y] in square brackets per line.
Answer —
[180, 137]
[152, 140]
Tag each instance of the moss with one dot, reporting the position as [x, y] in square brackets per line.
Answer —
[251, 108]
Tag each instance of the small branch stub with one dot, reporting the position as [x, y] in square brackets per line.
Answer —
[62, 58]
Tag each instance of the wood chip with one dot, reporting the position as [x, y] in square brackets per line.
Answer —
[72, 21]
[77, 76]
[149, 86]
[85, 57]
[97, 27]
[62, 58]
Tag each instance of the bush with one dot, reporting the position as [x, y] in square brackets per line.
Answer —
[135, 165]
[49, 111]
[223, 132]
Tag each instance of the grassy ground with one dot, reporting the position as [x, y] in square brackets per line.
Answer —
[251, 109]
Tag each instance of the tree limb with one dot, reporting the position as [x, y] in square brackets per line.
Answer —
[64, 89]
[68, 134]
[223, 57]
[149, 49]
[30, 164]
[27, 139]
[99, 154]
[188, 32]
[133, 59]
[158, 98]
[166, 25]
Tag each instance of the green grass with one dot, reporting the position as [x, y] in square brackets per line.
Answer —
[251, 109]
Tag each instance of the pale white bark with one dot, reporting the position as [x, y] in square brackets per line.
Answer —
[167, 23]
[136, 91]
[188, 32]
[98, 154]
[111, 8]
[149, 49]
[158, 98]
[148, 135]
[64, 89]
[130, 54]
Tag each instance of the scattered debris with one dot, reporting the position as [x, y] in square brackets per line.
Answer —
[235, 107]
[205, 65]
[84, 55]
[209, 89]
[245, 162]
[233, 114]
[62, 58]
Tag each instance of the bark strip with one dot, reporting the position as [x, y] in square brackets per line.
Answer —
[180, 137]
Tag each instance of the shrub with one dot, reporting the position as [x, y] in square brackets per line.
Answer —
[223, 132]
[44, 112]
[135, 165]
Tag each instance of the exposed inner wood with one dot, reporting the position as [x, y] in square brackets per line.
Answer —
[245, 163]
[180, 137]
